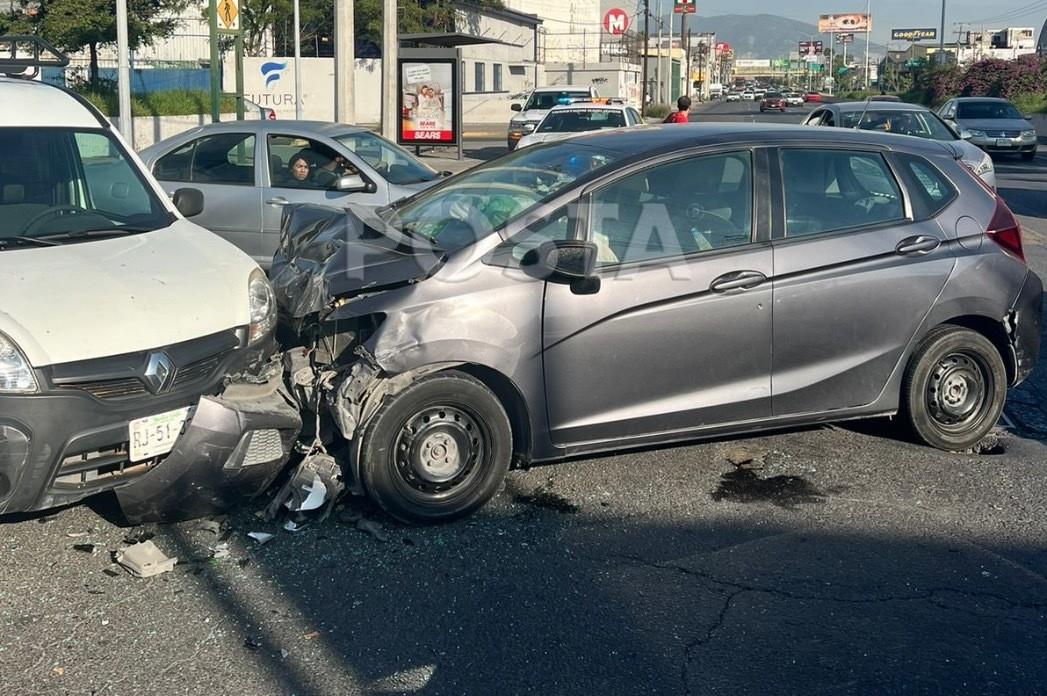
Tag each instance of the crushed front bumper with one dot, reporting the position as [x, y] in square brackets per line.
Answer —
[59, 449]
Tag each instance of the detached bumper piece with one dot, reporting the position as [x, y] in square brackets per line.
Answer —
[233, 448]
[1024, 324]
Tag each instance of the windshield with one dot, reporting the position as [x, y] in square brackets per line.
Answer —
[59, 182]
[773, 95]
[391, 161]
[547, 100]
[476, 203]
[580, 120]
[922, 124]
[987, 109]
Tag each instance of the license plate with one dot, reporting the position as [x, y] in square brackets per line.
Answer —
[154, 436]
[1004, 142]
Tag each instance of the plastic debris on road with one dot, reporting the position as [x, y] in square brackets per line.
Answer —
[145, 560]
[261, 537]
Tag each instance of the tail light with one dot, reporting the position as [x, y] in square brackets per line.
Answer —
[1005, 230]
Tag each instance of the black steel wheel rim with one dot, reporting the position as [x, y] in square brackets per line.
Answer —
[958, 391]
[441, 449]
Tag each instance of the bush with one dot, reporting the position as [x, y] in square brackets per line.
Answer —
[168, 103]
[1031, 103]
[658, 111]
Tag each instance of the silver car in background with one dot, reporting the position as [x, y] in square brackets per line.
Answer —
[904, 119]
[616, 290]
[994, 125]
[568, 120]
[244, 169]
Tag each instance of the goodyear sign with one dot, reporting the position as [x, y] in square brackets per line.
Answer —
[914, 34]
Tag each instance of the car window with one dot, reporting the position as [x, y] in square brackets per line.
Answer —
[56, 181]
[635, 116]
[815, 118]
[391, 161]
[296, 162]
[512, 251]
[580, 120]
[224, 158]
[828, 120]
[987, 109]
[903, 122]
[931, 190]
[671, 210]
[830, 190]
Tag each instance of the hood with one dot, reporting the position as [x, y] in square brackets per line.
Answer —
[114, 296]
[529, 116]
[535, 138]
[995, 124]
[330, 253]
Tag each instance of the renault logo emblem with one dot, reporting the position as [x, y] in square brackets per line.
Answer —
[158, 372]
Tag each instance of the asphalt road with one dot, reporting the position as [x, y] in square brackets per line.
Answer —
[842, 560]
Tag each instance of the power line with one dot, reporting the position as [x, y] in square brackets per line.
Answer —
[1011, 14]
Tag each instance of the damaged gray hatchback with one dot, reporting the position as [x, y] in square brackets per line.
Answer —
[648, 286]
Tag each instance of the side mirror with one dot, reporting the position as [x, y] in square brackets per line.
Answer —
[352, 183]
[1027, 117]
[188, 201]
[566, 260]
[517, 107]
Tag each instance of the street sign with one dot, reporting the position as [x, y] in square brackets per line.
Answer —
[616, 21]
[929, 34]
[229, 15]
[684, 7]
[845, 38]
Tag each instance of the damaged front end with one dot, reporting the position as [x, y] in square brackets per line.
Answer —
[328, 259]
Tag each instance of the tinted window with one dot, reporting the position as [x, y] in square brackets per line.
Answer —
[579, 120]
[829, 190]
[225, 158]
[931, 190]
[903, 122]
[987, 109]
[674, 209]
[773, 95]
[303, 163]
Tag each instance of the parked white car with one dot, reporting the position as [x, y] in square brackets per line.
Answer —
[564, 121]
[120, 323]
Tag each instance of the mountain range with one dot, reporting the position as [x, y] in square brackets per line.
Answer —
[766, 35]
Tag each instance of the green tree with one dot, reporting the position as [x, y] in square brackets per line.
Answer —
[72, 25]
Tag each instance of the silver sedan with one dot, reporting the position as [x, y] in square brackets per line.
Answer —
[301, 162]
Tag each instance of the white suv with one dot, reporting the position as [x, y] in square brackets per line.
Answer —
[538, 104]
[120, 323]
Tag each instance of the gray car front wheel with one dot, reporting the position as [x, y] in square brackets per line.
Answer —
[438, 450]
[954, 388]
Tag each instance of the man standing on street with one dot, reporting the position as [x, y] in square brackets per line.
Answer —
[682, 113]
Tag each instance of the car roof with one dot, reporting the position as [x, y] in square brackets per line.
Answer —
[980, 99]
[878, 106]
[650, 141]
[33, 104]
[563, 88]
[319, 128]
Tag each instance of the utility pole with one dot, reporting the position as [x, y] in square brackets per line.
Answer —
[669, 64]
[941, 38]
[868, 34]
[344, 62]
[297, 62]
[685, 39]
[390, 54]
[644, 52]
[658, 60]
[123, 77]
[216, 88]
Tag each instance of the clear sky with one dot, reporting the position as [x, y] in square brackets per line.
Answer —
[888, 14]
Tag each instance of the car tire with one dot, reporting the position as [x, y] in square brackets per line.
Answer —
[438, 450]
[1030, 155]
[954, 388]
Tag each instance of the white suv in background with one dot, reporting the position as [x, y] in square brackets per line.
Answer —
[541, 101]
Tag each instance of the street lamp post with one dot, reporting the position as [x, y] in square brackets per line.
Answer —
[941, 38]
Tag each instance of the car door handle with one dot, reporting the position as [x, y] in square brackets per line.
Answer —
[915, 246]
[277, 201]
[738, 280]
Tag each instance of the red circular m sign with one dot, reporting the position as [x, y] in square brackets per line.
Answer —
[616, 22]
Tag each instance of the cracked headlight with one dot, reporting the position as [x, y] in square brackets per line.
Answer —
[262, 306]
[16, 376]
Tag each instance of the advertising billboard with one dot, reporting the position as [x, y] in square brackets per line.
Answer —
[616, 21]
[844, 23]
[929, 34]
[845, 38]
[427, 102]
[811, 48]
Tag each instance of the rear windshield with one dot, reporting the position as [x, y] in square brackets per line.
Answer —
[922, 124]
[60, 182]
[773, 95]
[579, 120]
[986, 109]
[547, 100]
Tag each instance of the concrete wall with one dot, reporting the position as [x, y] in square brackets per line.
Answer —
[153, 129]
[610, 79]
